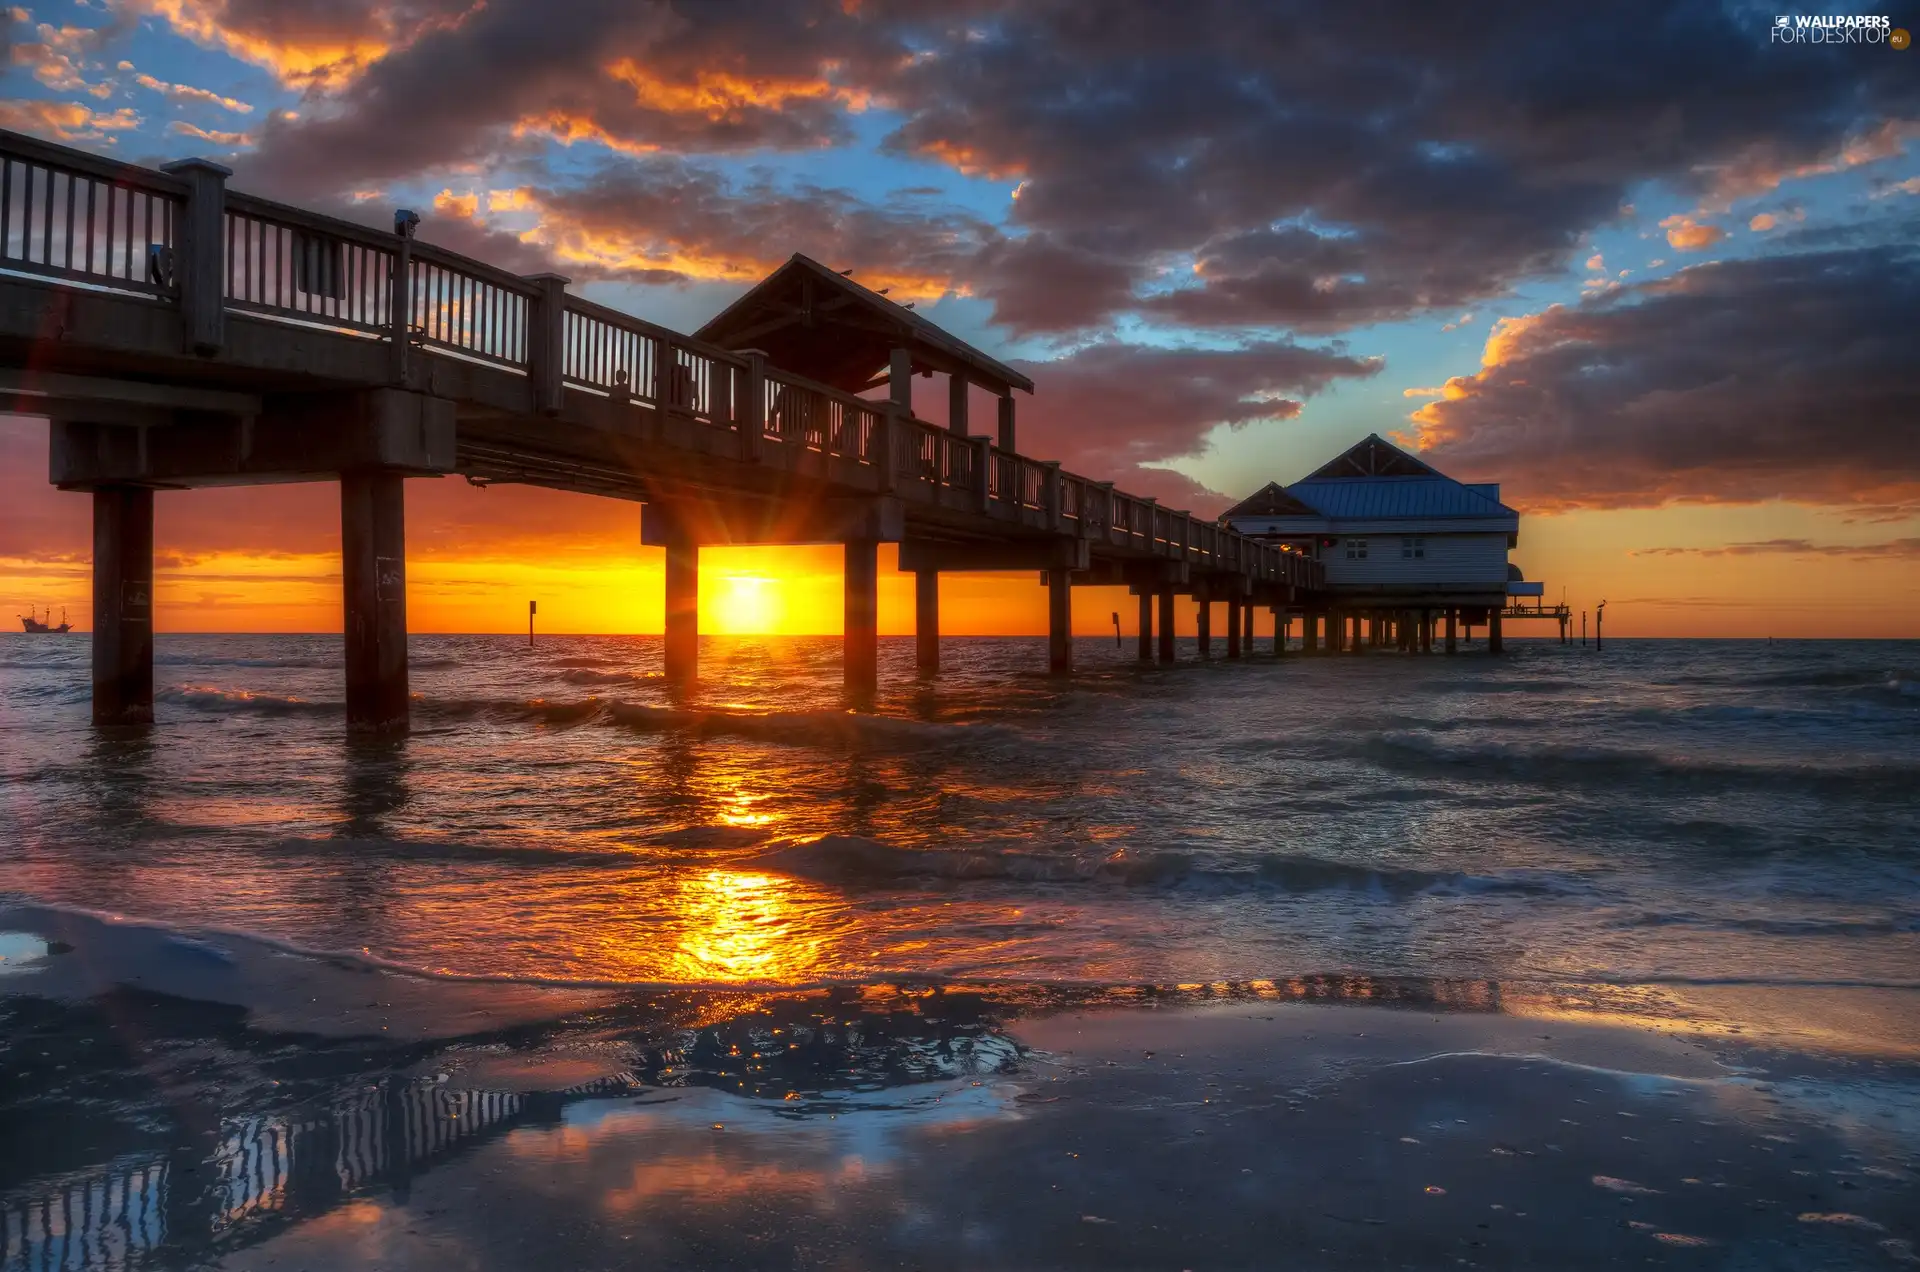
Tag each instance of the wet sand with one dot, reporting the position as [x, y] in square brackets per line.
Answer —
[204, 1116]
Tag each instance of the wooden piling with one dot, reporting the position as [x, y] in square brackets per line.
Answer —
[373, 574]
[122, 605]
[860, 642]
[926, 620]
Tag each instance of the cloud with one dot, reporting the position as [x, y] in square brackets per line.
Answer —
[188, 93]
[488, 84]
[1890, 549]
[1596, 261]
[1763, 222]
[215, 136]
[1783, 377]
[663, 219]
[66, 121]
[1684, 234]
[1322, 177]
[1115, 410]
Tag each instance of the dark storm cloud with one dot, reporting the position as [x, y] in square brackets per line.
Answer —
[1789, 377]
[1215, 163]
[1333, 165]
[1115, 409]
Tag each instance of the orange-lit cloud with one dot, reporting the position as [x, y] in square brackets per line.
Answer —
[1740, 381]
[213, 135]
[67, 121]
[1684, 234]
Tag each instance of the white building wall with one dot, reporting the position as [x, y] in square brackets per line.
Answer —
[1447, 559]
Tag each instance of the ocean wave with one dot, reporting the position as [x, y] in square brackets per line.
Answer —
[222, 946]
[590, 676]
[222, 660]
[212, 698]
[536, 710]
[823, 727]
[856, 860]
[449, 850]
[1762, 926]
[1419, 752]
[582, 662]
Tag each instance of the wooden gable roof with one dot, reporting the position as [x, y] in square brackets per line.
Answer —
[1373, 457]
[1271, 500]
[821, 324]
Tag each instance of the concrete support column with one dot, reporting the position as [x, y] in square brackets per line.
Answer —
[860, 645]
[1453, 643]
[1203, 625]
[1493, 633]
[1059, 622]
[926, 619]
[373, 574]
[1426, 631]
[1282, 620]
[1246, 623]
[1165, 636]
[1359, 645]
[1309, 632]
[123, 605]
[683, 610]
[1144, 651]
[1233, 627]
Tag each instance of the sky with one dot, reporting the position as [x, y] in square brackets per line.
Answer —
[1649, 266]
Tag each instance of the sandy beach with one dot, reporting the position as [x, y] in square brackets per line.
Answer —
[211, 1101]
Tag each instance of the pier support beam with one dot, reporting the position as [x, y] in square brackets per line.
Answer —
[1246, 625]
[1164, 637]
[926, 619]
[1233, 627]
[122, 605]
[1203, 625]
[1282, 620]
[860, 645]
[373, 574]
[1309, 632]
[1359, 645]
[1453, 644]
[1494, 645]
[1144, 638]
[1059, 622]
[683, 610]
[1426, 631]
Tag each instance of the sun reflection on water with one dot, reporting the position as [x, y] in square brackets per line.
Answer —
[744, 925]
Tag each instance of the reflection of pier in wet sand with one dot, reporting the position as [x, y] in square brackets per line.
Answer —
[253, 1173]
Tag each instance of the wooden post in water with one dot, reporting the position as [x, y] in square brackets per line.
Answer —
[122, 605]
[532, 607]
[1599, 612]
[1233, 627]
[1203, 623]
[1453, 645]
[1165, 635]
[926, 621]
[373, 575]
[682, 639]
[1144, 641]
[1494, 645]
[1246, 622]
[1059, 622]
[860, 641]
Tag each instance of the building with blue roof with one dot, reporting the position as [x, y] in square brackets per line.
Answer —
[1395, 533]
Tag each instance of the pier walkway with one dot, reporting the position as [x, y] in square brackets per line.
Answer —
[178, 334]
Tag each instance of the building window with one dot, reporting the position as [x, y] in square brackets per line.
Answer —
[1356, 549]
[1413, 549]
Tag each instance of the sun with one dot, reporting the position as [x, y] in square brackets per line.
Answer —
[746, 605]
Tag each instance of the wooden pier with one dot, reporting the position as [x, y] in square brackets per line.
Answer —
[178, 334]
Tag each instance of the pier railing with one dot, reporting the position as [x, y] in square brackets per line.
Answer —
[180, 238]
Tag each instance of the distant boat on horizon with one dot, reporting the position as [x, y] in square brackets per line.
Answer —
[33, 625]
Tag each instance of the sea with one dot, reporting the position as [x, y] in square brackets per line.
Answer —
[1657, 814]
